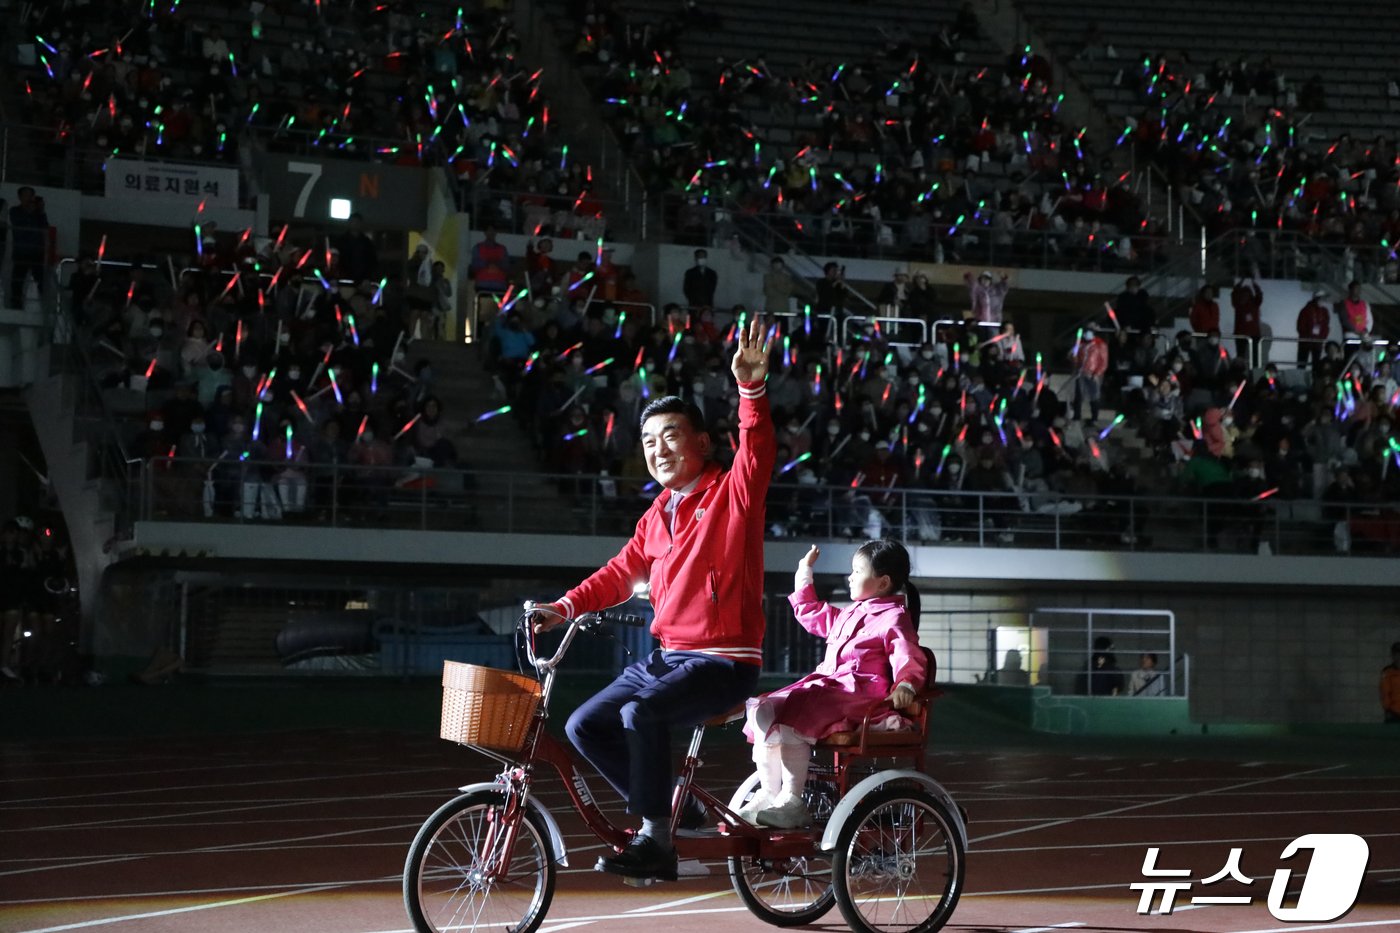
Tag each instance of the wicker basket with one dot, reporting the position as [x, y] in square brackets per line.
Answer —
[486, 707]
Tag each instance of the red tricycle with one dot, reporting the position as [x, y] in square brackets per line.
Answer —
[887, 846]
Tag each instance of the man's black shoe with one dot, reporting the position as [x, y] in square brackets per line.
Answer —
[694, 817]
[644, 858]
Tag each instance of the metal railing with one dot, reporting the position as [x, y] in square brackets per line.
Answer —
[973, 241]
[239, 490]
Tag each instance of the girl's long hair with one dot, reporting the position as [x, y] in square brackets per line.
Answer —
[890, 558]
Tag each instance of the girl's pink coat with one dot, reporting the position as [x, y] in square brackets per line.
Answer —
[871, 646]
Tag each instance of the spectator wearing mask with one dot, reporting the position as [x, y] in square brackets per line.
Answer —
[1314, 325]
[29, 227]
[1090, 363]
[700, 282]
[987, 296]
[1205, 313]
[1247, 298]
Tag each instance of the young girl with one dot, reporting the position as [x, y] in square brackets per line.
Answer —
[872, 654]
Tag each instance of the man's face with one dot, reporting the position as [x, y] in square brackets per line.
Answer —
[675, 452]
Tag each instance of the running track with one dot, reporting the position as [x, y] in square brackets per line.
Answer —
[306, 833]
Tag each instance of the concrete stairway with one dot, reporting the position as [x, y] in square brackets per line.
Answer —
[72, 445]
[499, 451]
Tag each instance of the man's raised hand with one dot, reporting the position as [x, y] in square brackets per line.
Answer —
[750, 362]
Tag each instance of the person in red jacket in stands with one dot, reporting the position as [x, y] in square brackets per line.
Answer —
[1247, 298]
[1090, 363]
[700, 549]
[1314, 324]
[490, 266]
[1205, 313]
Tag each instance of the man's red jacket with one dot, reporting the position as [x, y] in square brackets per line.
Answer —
[707, 580]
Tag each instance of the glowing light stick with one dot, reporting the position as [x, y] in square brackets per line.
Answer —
[576, 434]
[807, 324]
[335, 386]
[302, 405]
[817, 380]
[288, 448]
[1117, 420]
[599, 367]
[530, 361]
[378, 292]
[1266, 494]
[859, 478]
[642, 375]
[374, 379]
[411, 422]
[354, 334]
[257, 420]
[492, 414]
[569, 350]
[150, 370]
[1236, 397]
[581, 281]
[947, 449]
[621, 319]
[792, 464]
[608, 430]
[229, 287]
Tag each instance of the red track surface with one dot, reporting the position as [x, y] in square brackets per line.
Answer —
[308, 832]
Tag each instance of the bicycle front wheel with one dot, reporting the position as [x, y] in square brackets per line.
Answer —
[899, 864]
[454, 878]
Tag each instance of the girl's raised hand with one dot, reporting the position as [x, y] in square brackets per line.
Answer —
[806, 575]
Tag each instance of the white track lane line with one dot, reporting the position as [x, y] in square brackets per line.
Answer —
[1294, 928]
[1156, 803]
[175, 911]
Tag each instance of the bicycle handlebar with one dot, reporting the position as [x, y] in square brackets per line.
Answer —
[584, 622]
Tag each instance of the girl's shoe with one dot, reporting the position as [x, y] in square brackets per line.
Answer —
[787, 812]
[759, 802]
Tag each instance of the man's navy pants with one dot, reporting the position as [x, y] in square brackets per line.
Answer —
[625, 729]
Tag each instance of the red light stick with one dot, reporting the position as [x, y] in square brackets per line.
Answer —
[403, 430]
[302, 405]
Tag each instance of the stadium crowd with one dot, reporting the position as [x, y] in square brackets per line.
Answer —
[908, 152]
[304, 356]
[1233, 139]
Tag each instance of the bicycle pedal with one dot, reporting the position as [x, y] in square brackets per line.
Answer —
[638, 882]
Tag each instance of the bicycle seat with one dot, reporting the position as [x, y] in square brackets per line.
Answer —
[727, 716]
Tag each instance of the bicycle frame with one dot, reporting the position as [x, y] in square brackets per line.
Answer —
[738, 838]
